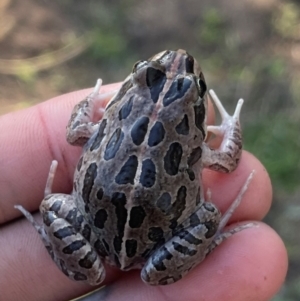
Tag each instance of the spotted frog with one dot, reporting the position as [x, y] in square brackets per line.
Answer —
[137, 200]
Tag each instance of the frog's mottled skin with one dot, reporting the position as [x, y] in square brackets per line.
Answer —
[137, 200]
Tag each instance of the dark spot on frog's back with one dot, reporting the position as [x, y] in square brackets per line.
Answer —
[100, 135]
[126, 109]
[139, 130]
[178, 206]
[156, 234]
[86, 232]
[155, 81]
[113, 144]
[128, 171]
[177, 90]
[137, 216]
[88, 182]
[172, 158]
[148, 174]
[125, 87]
[191, 174]
[164, 202]
[199, 111]
[117, 243]
[100, 193]
[157, 134]
[118, 199]
[100, 218]
[182, 127]
[131, 247]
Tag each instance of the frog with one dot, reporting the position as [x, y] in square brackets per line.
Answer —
[138, 199]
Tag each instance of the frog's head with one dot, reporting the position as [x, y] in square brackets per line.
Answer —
[169, 65]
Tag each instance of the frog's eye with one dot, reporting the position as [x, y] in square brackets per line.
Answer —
[202, 85]
[138, 65]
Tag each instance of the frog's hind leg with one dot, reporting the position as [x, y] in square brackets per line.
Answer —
[67, 237]
[190, 244]
[184, 250]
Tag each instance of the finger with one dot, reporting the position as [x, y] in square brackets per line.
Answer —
[30, 140]
[224, 188]
[251, 265]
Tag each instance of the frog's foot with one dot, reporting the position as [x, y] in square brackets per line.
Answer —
[49, 183]
[228, 122]
[81, 125]
[220, 235]
[184, 250]
[226, 157]
[67, 236]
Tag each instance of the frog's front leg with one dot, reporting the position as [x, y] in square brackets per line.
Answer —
[226, 157]
[80, 126]
[67, 237]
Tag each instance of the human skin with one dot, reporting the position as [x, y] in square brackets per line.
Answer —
[251, 265]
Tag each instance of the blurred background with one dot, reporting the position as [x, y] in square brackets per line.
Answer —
[248, 49]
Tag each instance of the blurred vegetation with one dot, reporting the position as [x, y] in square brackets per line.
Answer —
[284, 140]
[249, 50]
[286, 20]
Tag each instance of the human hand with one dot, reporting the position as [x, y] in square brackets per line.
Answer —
[251, 265]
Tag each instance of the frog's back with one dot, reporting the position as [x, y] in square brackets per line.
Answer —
[138, 175]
